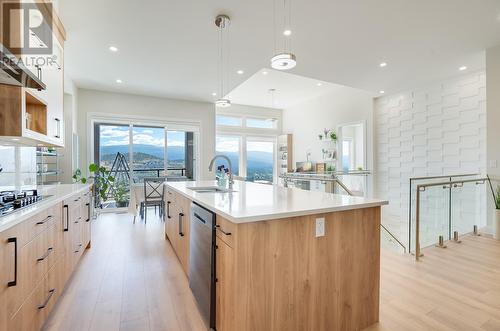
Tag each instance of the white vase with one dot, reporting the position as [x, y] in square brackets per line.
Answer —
[497, 224]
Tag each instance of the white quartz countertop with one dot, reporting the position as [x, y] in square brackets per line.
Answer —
[54, 193]
[251, 202]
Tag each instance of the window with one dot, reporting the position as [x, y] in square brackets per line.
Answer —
[133, 152]
[260, 160]
[148, 152]
[261, 123]
[230, 147]
[250, 142]
[228, 120]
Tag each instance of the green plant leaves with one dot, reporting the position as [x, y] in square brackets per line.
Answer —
[93, 167]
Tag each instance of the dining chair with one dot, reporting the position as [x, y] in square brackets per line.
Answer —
[154, 194]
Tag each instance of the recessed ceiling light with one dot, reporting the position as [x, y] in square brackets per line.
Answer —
[264, 72]
[462, 68]
[214, 94]
[119, 81]
[383, 64]
[240, 72]
[319, 84]
[113, 48]
[287, 32]
[382, 92]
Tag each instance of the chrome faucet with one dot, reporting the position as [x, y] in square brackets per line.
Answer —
[210, 167]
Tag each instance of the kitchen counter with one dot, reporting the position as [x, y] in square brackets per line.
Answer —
[55, 193]
[251, 202]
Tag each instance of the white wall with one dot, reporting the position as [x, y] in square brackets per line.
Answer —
[148, 108]
[340, 105]
[493, 109]
[436, 130]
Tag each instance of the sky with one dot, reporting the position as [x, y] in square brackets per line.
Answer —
[112, 135]
[229, 144]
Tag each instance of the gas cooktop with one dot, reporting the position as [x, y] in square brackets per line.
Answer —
[11, 201]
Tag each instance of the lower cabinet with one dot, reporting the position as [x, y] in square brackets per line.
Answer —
[37, 257]
[224, 290]
[177, 224]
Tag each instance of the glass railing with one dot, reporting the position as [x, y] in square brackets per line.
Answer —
[445, 208]
[435, 211]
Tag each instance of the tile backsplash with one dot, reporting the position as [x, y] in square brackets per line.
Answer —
[19, 166]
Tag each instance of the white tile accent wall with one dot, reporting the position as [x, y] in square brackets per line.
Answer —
[437, 130]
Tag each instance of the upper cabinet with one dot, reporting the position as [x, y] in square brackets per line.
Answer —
[33, 116]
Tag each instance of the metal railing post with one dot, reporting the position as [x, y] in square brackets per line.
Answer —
[417, 225]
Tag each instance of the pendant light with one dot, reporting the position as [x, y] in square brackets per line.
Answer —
[222, 22]
[285, 59]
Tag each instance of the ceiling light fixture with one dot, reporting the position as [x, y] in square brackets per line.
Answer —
[214, 94]
[382, 92]
[119, 81]
[383, 64]
[264, 72]
[285, 59]
[462, 68]
[319, 84]
[240, 72]
[113, 49]
[222, 22]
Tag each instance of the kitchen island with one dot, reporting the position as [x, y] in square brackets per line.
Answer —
[286, 259]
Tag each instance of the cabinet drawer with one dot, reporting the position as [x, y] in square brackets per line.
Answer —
[226, 231]
[35, 310]
[35, 225]
[29, 317]
[35, 260]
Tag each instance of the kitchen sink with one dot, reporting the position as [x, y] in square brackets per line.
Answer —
[210, 189]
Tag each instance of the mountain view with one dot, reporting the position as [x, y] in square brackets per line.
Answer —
[259, 164]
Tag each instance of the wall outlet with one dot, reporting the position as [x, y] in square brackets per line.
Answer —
[320, 227]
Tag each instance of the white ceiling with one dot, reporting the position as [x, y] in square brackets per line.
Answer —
[289, 89]
[169, 48]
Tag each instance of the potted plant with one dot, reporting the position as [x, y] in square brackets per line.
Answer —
[120, 194]
[102, 179]
[333, 136]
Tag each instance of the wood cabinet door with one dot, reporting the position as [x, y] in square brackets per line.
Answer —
[171, 226]
[183, 217]
[224, 290]
[11, 286]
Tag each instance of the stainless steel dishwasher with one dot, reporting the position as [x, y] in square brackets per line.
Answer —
[202, 261]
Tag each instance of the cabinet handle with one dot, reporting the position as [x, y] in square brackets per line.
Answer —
[49, 250]
[58, 135]
[88, 212]
[45, 220]
[67, 218]
[14, 282]
[180, 224]
[168, 210]
[217, 227]
[45, 303]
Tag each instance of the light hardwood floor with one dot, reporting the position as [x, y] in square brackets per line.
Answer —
[131, 280]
